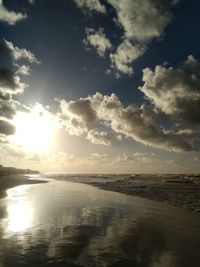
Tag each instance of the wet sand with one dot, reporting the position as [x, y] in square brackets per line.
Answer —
[10, 181]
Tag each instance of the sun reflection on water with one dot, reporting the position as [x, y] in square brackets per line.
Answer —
[20, 212]
[19, 217]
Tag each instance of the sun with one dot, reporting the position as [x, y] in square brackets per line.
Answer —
[34, 129]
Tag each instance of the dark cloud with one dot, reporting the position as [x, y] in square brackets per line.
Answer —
[7, 110]
[10, 83]
[4, 51]
[6, 128]
[83, 109]
[9, 107]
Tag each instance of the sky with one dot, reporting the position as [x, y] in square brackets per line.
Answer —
[100, 86]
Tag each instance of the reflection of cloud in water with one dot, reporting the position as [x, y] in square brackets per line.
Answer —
[92, 237]
[73, 230]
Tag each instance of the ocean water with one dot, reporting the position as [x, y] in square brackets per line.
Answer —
[74, 225]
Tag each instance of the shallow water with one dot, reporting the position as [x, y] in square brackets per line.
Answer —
[69, 224]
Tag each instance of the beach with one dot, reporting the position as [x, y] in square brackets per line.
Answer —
[10, 181]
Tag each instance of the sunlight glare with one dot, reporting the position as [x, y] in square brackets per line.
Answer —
[34, 130]
[19, 217]
[19, 210]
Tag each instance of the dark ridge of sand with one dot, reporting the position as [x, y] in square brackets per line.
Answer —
[184, 197]
[7, 182]
[180, 191]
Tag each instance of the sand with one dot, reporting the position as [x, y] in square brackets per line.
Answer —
[10, 181]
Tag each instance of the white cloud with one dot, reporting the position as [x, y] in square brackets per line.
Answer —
[91, 5]
[142, 20]
[175, 91]
[99, 138]
[144, 158]
[98, 40]
[126, 53]
[10, 17]
[144, 154]
[24, 70]
[18, 53]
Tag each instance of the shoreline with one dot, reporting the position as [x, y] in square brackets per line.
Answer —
[182, 193]
[7, 182]
[179, 192]
[167, 198]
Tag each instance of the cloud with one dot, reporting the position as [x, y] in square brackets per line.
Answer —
[6, 128]
[175, 91]
[31, 2]
[20, 53]
[98, 40]
[144, 154]
[91, 5]
[126, 53]
[10, 17]
[8, 108]
[24, 70]
[140, 123]
[99, 138]
[81, 108]
[143, 124]
[142, 21]
[10, 83]
[75, 115]
[144, 158]
[73, 125]
[169, 119]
